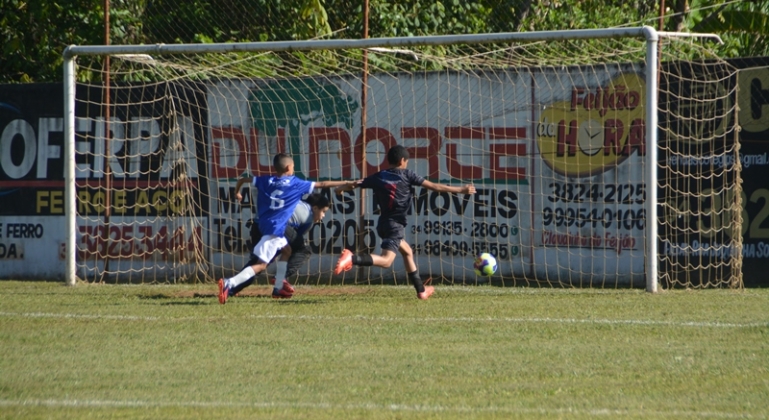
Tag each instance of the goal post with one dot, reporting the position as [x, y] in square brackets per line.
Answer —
[558, 130]
[652, 81]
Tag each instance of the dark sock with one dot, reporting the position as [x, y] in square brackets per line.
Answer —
[362, 260]
[417, 281]
[237, 289]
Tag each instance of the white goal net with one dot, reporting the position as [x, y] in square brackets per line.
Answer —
[553, 133]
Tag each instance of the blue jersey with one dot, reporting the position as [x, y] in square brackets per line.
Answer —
[276, 199]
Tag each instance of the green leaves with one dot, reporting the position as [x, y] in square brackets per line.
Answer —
[33, 34]
[743, 26]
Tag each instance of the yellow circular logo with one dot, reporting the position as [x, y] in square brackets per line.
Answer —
[598, 128]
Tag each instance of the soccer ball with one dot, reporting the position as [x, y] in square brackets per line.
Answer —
[485, 264]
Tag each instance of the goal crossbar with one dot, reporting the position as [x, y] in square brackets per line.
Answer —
[646, 32]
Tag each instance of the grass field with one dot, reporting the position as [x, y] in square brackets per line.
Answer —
[107, 351]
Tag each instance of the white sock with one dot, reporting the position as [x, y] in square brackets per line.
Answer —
[241, 277]
[280, 275]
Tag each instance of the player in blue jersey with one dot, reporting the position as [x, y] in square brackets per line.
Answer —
[309, 211]
[277, 196]
[393, 194]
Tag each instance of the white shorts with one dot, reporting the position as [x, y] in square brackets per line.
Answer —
[268, 246]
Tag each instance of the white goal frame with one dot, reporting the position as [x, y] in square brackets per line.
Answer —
[649, 34]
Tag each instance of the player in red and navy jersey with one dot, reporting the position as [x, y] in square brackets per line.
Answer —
[393, 195]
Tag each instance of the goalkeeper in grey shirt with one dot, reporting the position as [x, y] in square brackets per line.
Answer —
[309, 211]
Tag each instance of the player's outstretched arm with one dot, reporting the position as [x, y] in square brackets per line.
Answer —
[332, 184]
[239, 185]
[348, 186]
[433, 186]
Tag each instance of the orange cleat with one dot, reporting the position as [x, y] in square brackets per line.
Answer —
[224, 292]
[344, 263]
[427, 293]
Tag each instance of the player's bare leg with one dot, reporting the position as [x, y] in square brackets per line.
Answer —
[423, 292]
[385, 260]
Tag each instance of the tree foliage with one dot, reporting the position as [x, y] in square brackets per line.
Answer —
[34, 33]
[742, 25]
[185, 21]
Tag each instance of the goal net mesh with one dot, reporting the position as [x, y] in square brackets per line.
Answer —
[551, 134]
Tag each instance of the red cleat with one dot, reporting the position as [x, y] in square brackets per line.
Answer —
[224, 292]
[281, 294]
[286, 285]
[427, 293]
[344, 263]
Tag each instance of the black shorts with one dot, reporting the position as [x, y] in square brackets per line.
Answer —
[392, 233]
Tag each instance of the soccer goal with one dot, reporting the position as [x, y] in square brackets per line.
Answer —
[601, 158]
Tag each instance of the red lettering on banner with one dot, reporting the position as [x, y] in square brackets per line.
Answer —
[253, 152]
[636, 138]
[373, 134]
[247, 153]
[318, 134]
[456, 169]
[612, 137]
[483, 142]
[429, 152]
[500, 150]
[507, 133]
[567, 141]
[233, 133]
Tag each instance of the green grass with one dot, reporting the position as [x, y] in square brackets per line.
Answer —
[100, 351]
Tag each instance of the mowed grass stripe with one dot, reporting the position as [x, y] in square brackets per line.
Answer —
[602, 412]
[631, 322]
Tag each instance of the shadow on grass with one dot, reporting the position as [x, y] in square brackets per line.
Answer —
[205, 298]
[156, 296]
[298, 302]
[189, 303]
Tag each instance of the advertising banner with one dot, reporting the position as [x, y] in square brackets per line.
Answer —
[31, 181]
[589, 215]
[453, 138]
[136, 173]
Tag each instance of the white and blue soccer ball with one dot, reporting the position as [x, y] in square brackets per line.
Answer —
[485, 264]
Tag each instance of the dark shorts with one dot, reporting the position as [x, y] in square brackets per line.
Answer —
[392, 233]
